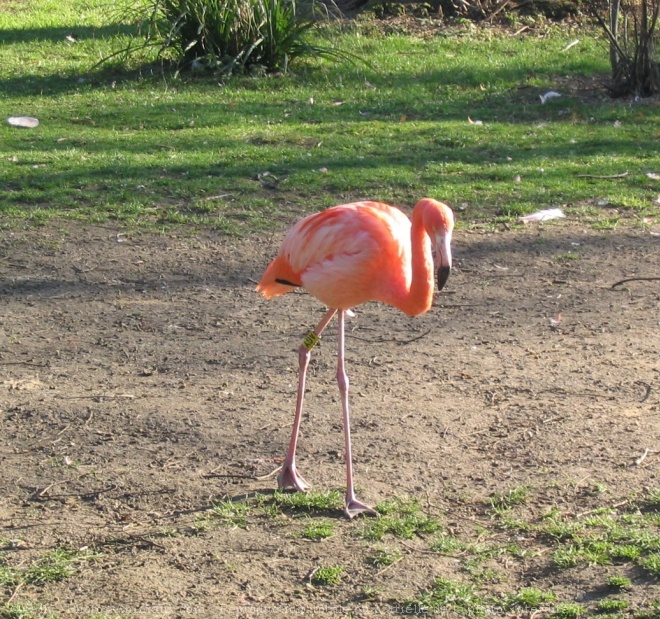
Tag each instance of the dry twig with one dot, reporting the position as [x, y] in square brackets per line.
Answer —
[635, 279]
[16, 590]
[606, 176]
[389, 566]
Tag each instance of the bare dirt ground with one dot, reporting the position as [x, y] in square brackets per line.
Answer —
[142, 378]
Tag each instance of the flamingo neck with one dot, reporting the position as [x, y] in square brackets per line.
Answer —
[419, 297]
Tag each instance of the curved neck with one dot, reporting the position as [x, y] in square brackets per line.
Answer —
[420, 295]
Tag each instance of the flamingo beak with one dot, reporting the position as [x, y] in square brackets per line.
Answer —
[443, 276]
[443, 255]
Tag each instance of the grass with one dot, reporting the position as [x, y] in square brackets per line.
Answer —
[530, 597]
[568, 611]
[505, 501]
[52, 566]
[480, 565]
[618, 582]
[448, 595]
[606, 540]
[625, 536]
[402, 518]
[328, 576]
[133, 145]
[313, 501]
[611, 606]
[384, 557]
[604, 536]
[318, 530]
[230, 513]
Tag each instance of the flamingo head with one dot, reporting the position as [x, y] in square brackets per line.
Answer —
[438, 221]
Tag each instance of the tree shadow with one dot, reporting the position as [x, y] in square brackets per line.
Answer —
[60, 34]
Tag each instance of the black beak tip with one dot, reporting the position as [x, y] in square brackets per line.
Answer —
[443, 276]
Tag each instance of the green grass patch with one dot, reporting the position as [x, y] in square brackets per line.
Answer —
[651, 564]
[318, 530]
[313, 501]
[529, 597]
[328, 576]
[52, 566]
[507, 500]
[132, 144]
[568, 610]
[22, 611]
[611, 606]
[230, 513]
[484, 561]
[652, 612]
[384, 557]
[461, 599]
[448, 544]
[606, 536]
[618, 582]
[400, 517]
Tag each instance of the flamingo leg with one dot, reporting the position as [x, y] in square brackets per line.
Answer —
[353, 507]
[289, 476]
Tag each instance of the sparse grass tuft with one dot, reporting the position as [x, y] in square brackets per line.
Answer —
[568, 256]
[383, 557]
[530, 597]
[651, 564]
[654, 498]
[653, 612]
[53, 566]
[611, 606]
[448, 595]
[399, 517]
[447, 544]
[327, 576]
[318, 530]
[23, 611]
[605, 537]
[230, 513]
[618, 582]
[568, 611]
[313, 501]
[507, 500]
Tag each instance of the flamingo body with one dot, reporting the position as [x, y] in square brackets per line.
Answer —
[348, 255]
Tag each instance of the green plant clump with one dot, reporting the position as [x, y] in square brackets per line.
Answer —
[318, 530]
[315, 500]
[327, 576]
[402, 518]
[568, 610]
[232, 36]
[460, 599]
[611, 606]
[383, 557]
[618, 582]
[530, 597]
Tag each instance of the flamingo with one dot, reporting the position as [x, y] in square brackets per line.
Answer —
[348, 255]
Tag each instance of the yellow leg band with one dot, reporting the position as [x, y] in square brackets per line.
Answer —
[311, 340]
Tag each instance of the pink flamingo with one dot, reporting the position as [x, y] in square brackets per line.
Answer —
[348, 255]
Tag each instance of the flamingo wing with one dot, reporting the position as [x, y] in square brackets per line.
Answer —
[344, 256]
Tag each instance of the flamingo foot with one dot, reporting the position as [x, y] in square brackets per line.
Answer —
[354, 507]
[290, 479]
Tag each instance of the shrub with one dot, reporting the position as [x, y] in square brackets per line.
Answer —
[631, 30]
[232, 36]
